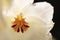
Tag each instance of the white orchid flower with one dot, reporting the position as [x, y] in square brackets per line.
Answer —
[25, 20]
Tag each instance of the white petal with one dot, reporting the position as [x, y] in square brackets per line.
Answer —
[40, 12]
[1, 25]
[16, 7]
[2, 22]
[21, 3]
[44, 10]
[39, 24]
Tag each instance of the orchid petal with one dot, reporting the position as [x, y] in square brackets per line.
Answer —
[44, 10]
[20, 4]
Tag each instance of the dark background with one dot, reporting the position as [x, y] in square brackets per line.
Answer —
[56, 29]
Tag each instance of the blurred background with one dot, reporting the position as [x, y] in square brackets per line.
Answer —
[56, 29]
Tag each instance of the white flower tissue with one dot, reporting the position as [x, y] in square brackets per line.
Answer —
[38, 15]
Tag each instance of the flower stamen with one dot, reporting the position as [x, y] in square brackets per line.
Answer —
[20, 24]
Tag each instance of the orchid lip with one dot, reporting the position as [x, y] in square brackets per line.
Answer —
[20, 24]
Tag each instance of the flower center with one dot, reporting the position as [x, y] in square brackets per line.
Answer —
[20, 24]
[19, 17]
